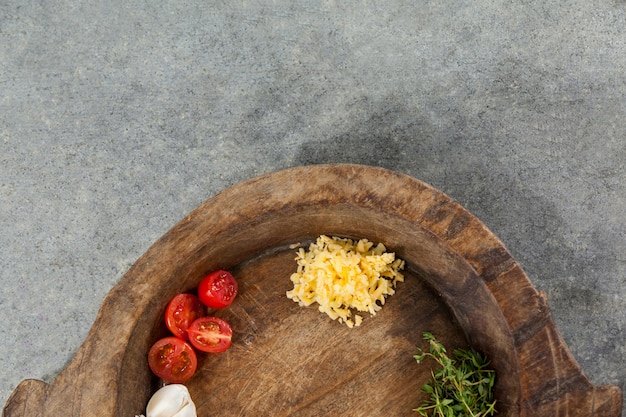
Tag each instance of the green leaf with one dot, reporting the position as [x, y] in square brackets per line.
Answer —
[461, 386]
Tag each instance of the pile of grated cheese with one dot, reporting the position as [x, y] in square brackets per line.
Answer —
[340, 274]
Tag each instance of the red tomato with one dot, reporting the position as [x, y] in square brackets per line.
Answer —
[218, 289]
[181, 312]
[173, 360]
[210, 334]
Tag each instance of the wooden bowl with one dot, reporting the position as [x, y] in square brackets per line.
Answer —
[461, 284]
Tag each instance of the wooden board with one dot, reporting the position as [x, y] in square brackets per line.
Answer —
[462, 284]
[288, 360]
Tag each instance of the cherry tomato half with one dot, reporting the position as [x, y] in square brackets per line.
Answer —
[210, 334]
[218, 289]
[173, 360]
[181, 312]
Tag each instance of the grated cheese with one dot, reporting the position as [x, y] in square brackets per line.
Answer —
[340, 275]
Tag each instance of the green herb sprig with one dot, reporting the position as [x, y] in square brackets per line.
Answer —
[459, 388]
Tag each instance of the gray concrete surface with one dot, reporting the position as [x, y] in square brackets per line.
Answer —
[118, 118]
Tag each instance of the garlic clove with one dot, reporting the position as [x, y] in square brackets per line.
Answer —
[171, 401]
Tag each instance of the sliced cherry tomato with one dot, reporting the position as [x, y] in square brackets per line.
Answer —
[173, 360]
[218, 289]
[210, 334]
[181, 312]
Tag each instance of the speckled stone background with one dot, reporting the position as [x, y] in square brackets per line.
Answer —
[118, 118]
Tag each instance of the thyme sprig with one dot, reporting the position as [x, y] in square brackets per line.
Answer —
[460, 387]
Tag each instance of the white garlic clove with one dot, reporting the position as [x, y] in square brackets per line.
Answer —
[171, 401]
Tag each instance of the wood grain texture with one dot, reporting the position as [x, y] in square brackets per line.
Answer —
[462, 284]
